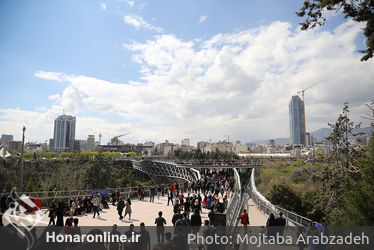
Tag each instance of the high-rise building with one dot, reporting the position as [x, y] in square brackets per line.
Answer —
[297, 120]
[308, 141]
[6, 138]
[91, 143]
[64, 133]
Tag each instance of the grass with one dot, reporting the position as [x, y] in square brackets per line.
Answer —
[302, 176]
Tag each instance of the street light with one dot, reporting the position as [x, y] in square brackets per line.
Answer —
[21, 167]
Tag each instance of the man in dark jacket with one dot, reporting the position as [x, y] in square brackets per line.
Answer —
[114, 198]
[280, 223]
[160, 229]
[196, 219]
[120, 206]
[170, 196]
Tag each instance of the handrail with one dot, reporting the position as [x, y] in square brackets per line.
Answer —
[79, 193]
[267, 207]
[202, 162]
[235, 205]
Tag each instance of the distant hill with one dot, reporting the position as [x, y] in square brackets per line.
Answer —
[322, 133]
[319, 134]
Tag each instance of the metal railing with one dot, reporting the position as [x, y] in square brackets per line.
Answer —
[63, 194]
[200, 162]
[267, 207]
[235, 204]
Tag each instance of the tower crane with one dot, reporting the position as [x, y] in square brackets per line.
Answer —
[115, 140]
[302, 93]
[303, 89]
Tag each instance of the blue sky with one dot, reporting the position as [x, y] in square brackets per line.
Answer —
[100, 40]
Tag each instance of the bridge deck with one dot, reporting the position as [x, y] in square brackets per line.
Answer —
[256, 217]
[143, 211]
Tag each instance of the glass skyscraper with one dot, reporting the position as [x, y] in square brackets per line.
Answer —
[64, 133]
[297, 120]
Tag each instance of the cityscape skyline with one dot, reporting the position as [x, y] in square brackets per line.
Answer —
[194, 76]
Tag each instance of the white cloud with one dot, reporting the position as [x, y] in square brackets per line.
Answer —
[60, 77]
[236, 84]
[138, 22]
[202, 19]
[103, 6]
[130, 3]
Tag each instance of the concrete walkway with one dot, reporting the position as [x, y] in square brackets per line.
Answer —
[142, 211]
[256, 217]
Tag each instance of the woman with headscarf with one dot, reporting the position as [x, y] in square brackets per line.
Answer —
[128, 208]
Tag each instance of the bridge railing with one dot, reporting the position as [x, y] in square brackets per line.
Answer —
[202, 162]
[63, 194]
[235, 204]
[267, 207]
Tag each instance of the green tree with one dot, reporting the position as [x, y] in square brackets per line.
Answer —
[97, 176]
[282, 195]
[342, 166]
[360, 195]
[358, 10]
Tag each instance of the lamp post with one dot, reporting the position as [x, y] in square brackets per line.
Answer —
[21, 167]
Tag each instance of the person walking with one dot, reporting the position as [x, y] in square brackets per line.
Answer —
[271, 230]
[280, 223]
[114, 198]
[196, 219]
[60, 214]
[152, 192]
[170, 196]
[120, 207]
[52, 212]
[96, 203]
[144, 239]
[73, 207]
[177, 206]
[115, 245]
[244, 218]
[159, 191]
[160, 229]
[128, 208]
[139, 193]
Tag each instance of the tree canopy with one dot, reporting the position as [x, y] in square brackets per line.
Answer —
[358, 10]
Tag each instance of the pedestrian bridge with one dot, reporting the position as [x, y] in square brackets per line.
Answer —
[244, 196]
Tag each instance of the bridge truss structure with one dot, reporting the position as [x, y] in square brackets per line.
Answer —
[156, 169]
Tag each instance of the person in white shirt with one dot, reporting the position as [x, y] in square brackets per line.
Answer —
[96, 203]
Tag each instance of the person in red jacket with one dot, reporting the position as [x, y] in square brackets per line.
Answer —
[172, 188]
[244, 218]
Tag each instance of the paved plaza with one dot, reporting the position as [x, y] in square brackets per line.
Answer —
[142, 211]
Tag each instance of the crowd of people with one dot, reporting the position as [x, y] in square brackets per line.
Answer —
[187, 199]
[86, 205]
[211, 192]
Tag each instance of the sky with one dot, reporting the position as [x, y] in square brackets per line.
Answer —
[169, 70]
